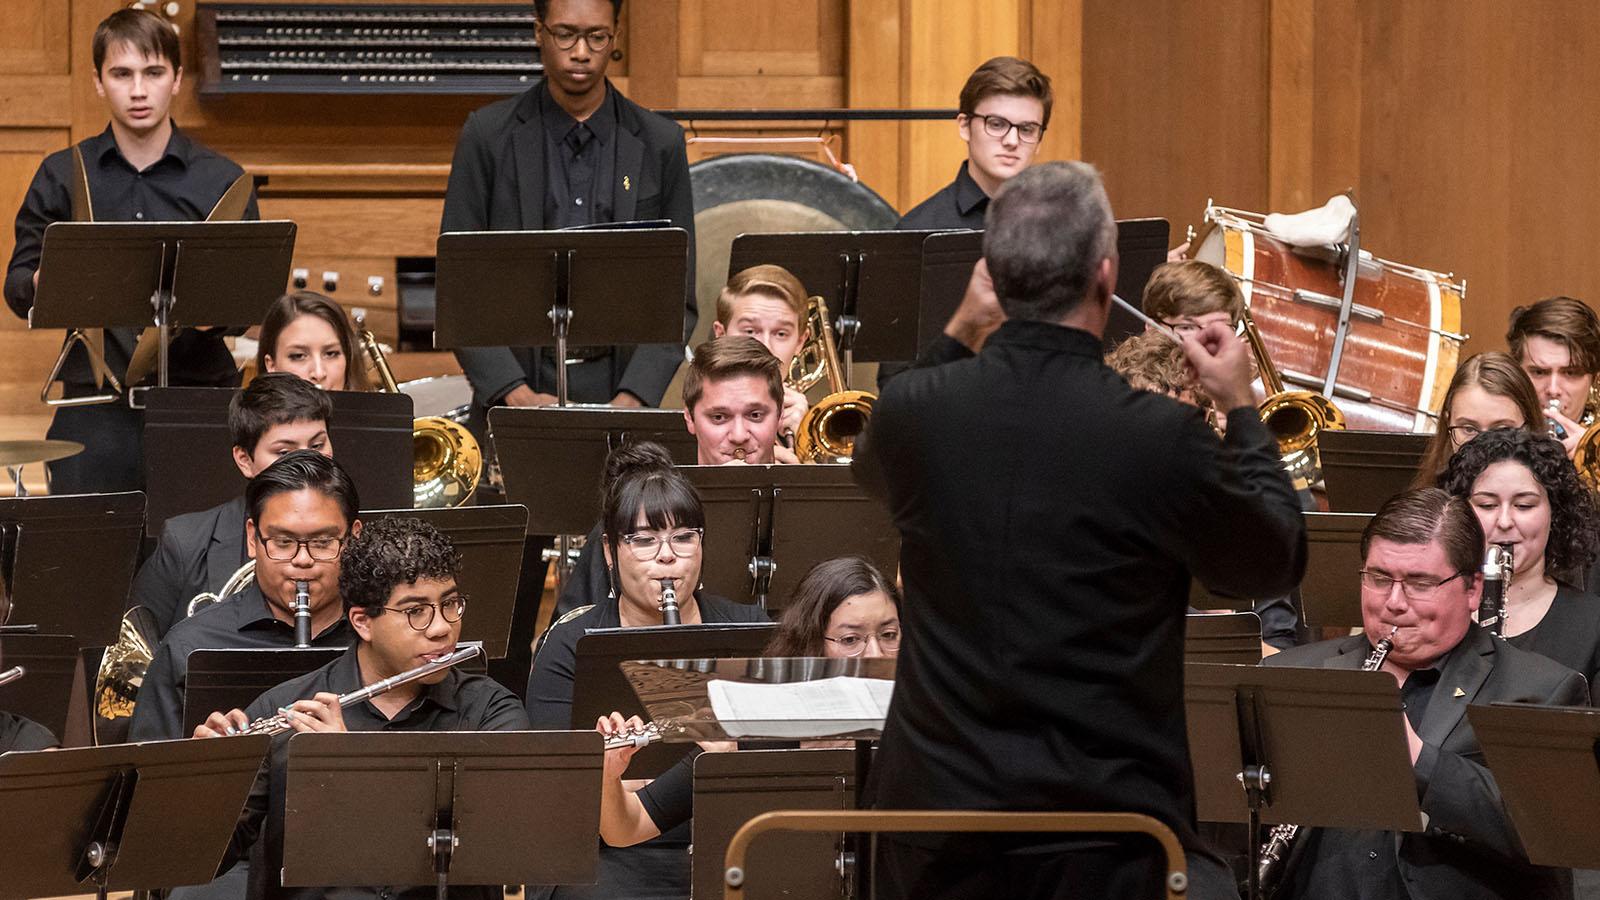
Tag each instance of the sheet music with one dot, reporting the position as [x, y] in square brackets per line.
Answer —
[802, 709]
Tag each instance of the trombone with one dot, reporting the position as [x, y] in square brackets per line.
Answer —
[828, 431]
[1295, 418]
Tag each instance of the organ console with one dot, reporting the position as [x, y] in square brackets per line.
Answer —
[385, 48]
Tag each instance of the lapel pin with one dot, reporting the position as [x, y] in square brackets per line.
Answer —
[625, 184]
[1460, 692]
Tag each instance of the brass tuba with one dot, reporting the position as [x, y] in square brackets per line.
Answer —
[1295, 418]
[446, 460]
[828, 431]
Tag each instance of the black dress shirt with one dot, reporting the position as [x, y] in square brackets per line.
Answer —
[1569, 633]
[18, 733]
[1051, 518]
[959, 205]
[461, 702]
[197, 552]
[241, 622]
[580, 157]
[184, 185]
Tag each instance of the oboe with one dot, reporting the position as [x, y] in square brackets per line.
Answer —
[279, 723]
[1497, 563]
[669, 602]
[302, 614]
[12, 674]
[1275, 851]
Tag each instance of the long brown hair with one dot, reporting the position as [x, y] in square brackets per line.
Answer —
[1498, 374]
[819, 593]
[295, 304]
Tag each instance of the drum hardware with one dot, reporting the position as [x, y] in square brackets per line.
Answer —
[375, 285]
[16, 454]
[1367, 313]
[12, 674]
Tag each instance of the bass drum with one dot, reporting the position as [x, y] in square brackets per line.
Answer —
[1404, 338]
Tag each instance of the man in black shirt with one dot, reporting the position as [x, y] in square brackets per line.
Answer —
[570, 151]
[141, 168]
[1050, 518]
[1420, 583]
[398, 585]
[277, 413]
[302, 512]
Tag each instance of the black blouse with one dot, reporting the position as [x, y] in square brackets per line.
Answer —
[1569, 633]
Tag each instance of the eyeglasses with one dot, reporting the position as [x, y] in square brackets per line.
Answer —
[856, 644]
[566, 38]
[646, 544]
[284, 549]
[1462, 434]
[999, 127]
[420, 616]
[1413, 588]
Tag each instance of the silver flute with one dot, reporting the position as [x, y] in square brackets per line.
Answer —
[1269, 867]
[302, 614]
[12, 674]
[649, 735]
[280, 722]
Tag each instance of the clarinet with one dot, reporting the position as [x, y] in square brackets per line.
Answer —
[1497, 563]
[302, 614]
[669, 602]
[279, 723]
[1281, 837]
[12, 674]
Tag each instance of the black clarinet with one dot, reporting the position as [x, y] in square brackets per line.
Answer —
[302, 614]
[1497, 563]
[669, 602]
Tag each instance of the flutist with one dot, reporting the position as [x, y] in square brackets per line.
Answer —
[400, 594]
[1421, 580]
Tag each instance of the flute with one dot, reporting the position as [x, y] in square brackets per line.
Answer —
[649, 735]
[12, 674]
[279, 723]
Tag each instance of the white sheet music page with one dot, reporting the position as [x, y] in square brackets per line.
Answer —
[801, 709]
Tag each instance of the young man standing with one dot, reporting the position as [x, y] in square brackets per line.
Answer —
[768, 303]
[276, 414]
[142, 168]
[570, 151]
[731, 397]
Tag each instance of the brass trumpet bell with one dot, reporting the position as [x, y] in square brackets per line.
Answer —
[828, 431]
[445, 463]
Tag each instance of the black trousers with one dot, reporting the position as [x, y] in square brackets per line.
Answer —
[112, 435]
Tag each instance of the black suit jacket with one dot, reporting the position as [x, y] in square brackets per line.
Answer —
[1470, 849]
[497, 183]
[1050, 519]
[197, 552]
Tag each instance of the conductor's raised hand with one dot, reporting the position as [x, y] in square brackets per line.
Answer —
[321, 713]
[979, 313]
[1221, 361]
[222, 724]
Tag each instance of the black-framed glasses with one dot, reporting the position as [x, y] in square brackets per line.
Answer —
[1413, 588]
[1460, 435]
[856, 644]
[566, 38]
[647, 544]
[419, 616]
[283, 549]
[1000, 126]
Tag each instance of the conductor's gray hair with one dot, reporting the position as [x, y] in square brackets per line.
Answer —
[1045, 235]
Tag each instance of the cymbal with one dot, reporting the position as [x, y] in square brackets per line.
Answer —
[16, 453]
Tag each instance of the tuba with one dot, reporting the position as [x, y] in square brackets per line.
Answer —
[1295, 418]
[446, 461]
[828, 431]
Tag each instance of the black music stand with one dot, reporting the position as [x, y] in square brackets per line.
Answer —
[1330, 590]
[127, 817]
[188, 453]
[442, 808]
[730, 789]
[1227, 638]
[166, 274]
[767, 525]
[221, 680]
[1258, 742]
[1141, 246]
[599, 687]
[870, 280]
[44, 694]
[558, 288]
[533, 444]
[1546, 762]
[43, 537]
[1362, 469]
[489, 540]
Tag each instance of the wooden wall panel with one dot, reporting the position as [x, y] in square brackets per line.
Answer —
[34, 39]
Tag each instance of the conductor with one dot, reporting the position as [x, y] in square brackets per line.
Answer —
[1041, 666]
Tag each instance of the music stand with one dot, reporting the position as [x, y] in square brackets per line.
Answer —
[1330, 590]
[126, 817]
[869, 279]
[766, 526]
[43, 537]
[533, 444]
[1362, 469]
[220, 680]
[166, 274]
[551, 288]
[1141, 246]
[1546, 764]
[489, 540]
[1258, 742]
[730, 789]
[1227, 638]
[44, 694]
[599, 687]
[188, 452]
[442, 808]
